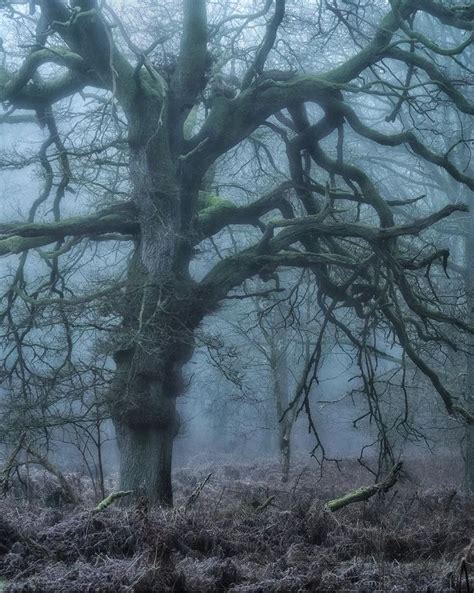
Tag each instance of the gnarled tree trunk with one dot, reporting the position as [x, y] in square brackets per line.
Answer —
[160, 311]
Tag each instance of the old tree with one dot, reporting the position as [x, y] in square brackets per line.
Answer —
[141, 107]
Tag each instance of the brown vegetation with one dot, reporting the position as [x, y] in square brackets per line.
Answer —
[411, 539]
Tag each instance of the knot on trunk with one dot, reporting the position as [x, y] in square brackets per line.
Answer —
[143, 401]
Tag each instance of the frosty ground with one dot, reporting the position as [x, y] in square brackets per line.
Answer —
[246, 533]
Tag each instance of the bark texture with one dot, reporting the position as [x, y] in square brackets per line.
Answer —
[469, 430]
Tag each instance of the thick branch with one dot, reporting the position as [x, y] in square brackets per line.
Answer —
[297, 228]
[402, 138]
[34, 96]
[268, 42]
[213, 219]
[18, 237]
[110, 499]
[436, 76]
[230, 121]
[273, 252]
[460, 17]
[232, 271]
[14, 83]
[190, 78]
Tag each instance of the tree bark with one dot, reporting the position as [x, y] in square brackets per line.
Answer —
[279, 367]
[145, 461]
[161, 308]
[285, 453]
[469, 430]
[142, 400]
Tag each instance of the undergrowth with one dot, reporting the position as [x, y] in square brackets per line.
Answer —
[411, 539]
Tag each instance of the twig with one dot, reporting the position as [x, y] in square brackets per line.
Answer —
[196, 492]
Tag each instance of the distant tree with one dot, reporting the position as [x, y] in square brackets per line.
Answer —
[278, 337]
[134, 128]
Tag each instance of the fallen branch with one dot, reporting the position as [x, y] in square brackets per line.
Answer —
[196, 492]
[68, 492]
[366, 492]
[265, 504]
[111, 498]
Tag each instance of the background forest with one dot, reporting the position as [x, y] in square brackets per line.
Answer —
[236, 286]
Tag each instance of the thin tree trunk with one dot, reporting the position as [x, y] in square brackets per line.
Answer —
[285, 454]
[100, 464]
[280, 396]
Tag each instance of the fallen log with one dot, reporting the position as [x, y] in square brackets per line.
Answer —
[366, 492]
[111, 498]
[260, 508]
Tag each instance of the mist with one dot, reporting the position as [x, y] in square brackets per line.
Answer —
[236, 284]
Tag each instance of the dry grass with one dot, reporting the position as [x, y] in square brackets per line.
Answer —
[411, 540]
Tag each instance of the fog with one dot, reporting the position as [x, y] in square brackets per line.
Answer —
[236, 285]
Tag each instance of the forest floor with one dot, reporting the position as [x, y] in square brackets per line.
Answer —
[410, 539]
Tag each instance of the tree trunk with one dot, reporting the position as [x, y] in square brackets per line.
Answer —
[469, 473]
[469, 435]
[143, 407]
[280, 396]
[160, 311]
[145, 461]
[285, 451]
